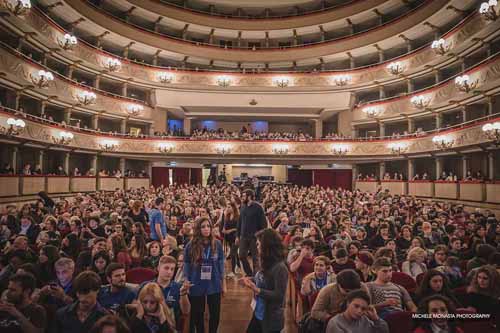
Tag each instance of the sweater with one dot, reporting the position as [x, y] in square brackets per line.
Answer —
[339, 324]
[252, 219]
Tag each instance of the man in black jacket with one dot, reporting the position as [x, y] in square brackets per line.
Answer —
[252, 219]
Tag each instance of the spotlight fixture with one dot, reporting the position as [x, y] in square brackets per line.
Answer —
[18, 7]
[440, 46]
[371, 111]
[280, 149]
[281, 81]
[134, 109]
[223, 81]
[165, 148]
[112, 64]
[339, 149]
[223, 149]
[443, 141]
[395, 68]
[64, 138]
[67, 42]
[86, 97]
[42, 78]
[341, 80]
[398, 148]
[492, 131]
[488, 10]
[14, 127]
[464, 83]
[108, 145]
[165, 77]
[420, 101]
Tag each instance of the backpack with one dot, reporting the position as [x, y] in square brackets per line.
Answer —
[308, 324]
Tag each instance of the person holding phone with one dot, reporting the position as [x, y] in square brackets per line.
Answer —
[204, 268]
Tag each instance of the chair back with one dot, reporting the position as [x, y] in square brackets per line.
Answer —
[399, 321]
[139, 275]
[405, 281]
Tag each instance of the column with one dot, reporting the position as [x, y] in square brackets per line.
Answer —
[318, 128]
[97, 81]
[354, 132]
[411, 125]
[66, 163]
[465, 165]
[41, 154]
[491, 166]
[122, 166]
[17, 103]
[13, 159]
[20, 43]
[123, 126]
[464, 113]
[354, 174]
[409, 47]
[410, 86]
[43, 106]
[381, 129]
[124, 89]
[187, 126]
[95, 121]
[381, 56]
[67, 116]
[266, 40]
[381, 170]
[490, 105]
[93, 164]
[439, 167]
[149, 169]
[381, 92]
[437, 76]
[411, 168]
[439, 120]
[69, 73]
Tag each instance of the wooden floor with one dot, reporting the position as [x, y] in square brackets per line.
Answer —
[236, 311]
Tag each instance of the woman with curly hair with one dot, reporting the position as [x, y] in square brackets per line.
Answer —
[484, 291]
[269, 285]
[437, 306]
[204, 268]
[435, 282]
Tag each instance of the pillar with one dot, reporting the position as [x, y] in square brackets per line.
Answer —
[381, 92]
[13, 159]
[97, 81]
[439, 167]
[41, 154]
[17, 102]
[123, 126]
[465, 165]
[409, 47]
[318, 128]
[490, 105]
[66, 163]
[439, 120]
[67, 116]
[491, 166]
[410, 85]
[381, 56]
[43, 106]
[149, 169]
[20, 43]
[122, 166]
[411, 168]
[354, 173]
[93, 164]
[411, 125]
[437, 76]
[124, 89]
[266, 40]
[187, 126]
[354, 132]
[352, 63]
[381, 170]
[69, 72]
[95, 121]
[464, 113]
[381, 129]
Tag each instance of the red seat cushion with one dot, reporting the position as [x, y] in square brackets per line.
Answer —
[405, 281]
[139, 275]
[399, 321]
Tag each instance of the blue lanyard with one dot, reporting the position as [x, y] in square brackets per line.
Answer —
[206, 253]
[320, 283]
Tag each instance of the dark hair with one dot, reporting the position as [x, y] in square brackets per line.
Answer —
[307, 242]
[159, 201]
[484, 251]
[86, 282]
[113, 267]
[272, 250]
[197, 245]
[110, 320]
[358, 293]
[349, 279]
[341, 253]
[26, 280]
[249, 193]
[100, 254]
[425, 290]
[381, 262]
[423, 308]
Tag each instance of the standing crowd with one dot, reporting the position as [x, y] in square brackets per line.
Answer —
[152, 260]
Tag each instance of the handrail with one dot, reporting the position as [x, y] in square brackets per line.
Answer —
[310, 12]
[243, 70]
[268, 48]
[495, 116]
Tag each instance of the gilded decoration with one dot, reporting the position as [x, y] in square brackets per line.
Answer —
[92, 56]
[42, 133]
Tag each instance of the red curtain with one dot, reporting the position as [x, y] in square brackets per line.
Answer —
[333, 178]
[300, 177]
[181, 176]
[160, 176]
[196, 177]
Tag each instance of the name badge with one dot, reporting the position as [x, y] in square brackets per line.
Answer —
[206, 272]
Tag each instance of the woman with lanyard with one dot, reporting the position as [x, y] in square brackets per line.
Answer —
[269, 285]
[204, 268]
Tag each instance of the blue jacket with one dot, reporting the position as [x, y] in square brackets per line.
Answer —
[192, 271]
[156, 217]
